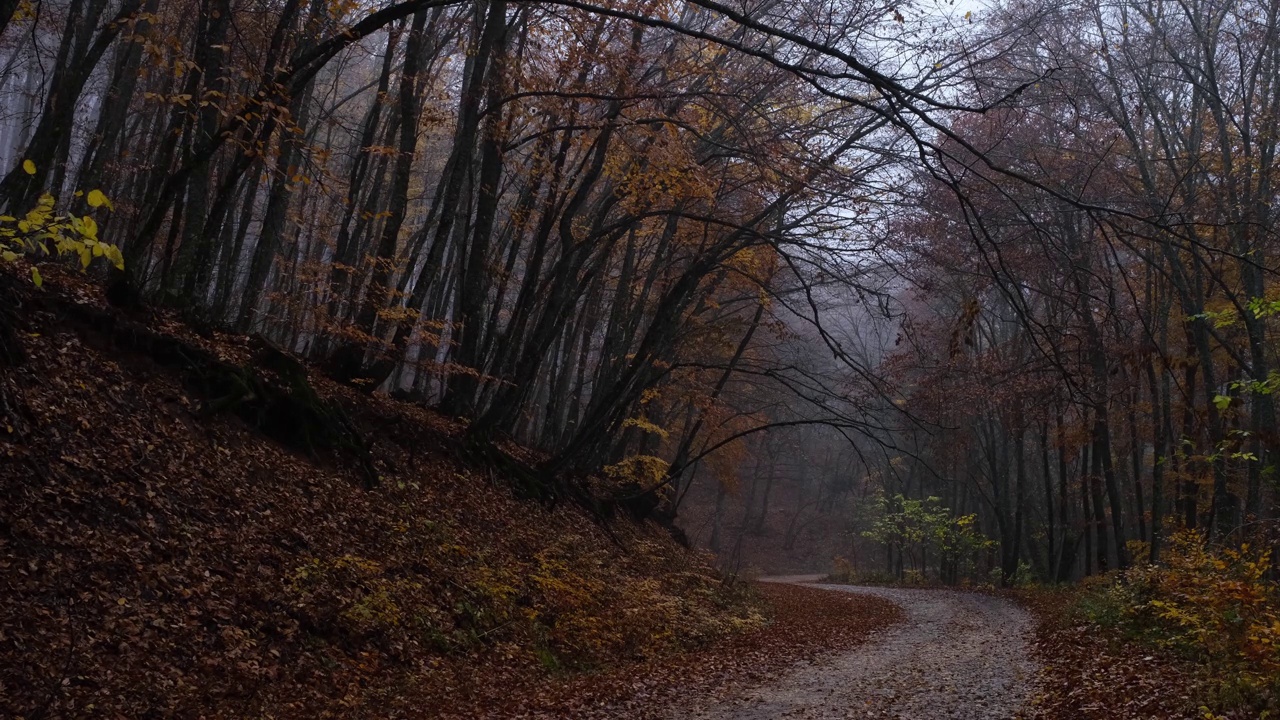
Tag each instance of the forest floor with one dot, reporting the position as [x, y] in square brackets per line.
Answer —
[1088, 672]
[166, 554]
[974, 654]
[170, 547]
[809, 628]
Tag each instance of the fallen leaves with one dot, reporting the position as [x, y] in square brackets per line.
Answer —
[156, 561]
[1088, 673]
[806, 625]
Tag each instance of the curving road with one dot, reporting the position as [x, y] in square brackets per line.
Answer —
[956, 656]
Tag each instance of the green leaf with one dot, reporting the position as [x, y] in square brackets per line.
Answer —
[1222, 402]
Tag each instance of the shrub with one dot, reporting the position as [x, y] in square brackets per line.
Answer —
[841, 571]
[1212, 606]
[42, 232]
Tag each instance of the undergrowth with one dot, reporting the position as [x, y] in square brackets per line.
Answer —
[576, 609]
[1211, 607]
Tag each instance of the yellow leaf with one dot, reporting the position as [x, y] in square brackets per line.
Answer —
[96, 199]
[35, 277]
[114, 256]
[29, 167]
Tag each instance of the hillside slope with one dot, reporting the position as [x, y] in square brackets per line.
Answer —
[162, 556]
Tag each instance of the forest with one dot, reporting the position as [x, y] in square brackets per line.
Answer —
[914, 292]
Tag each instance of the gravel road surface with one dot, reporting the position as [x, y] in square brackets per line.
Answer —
[956, 656]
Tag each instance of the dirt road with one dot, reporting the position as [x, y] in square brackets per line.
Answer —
[956, 656]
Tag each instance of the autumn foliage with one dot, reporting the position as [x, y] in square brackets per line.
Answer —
[1214, 607]
[163, 556]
